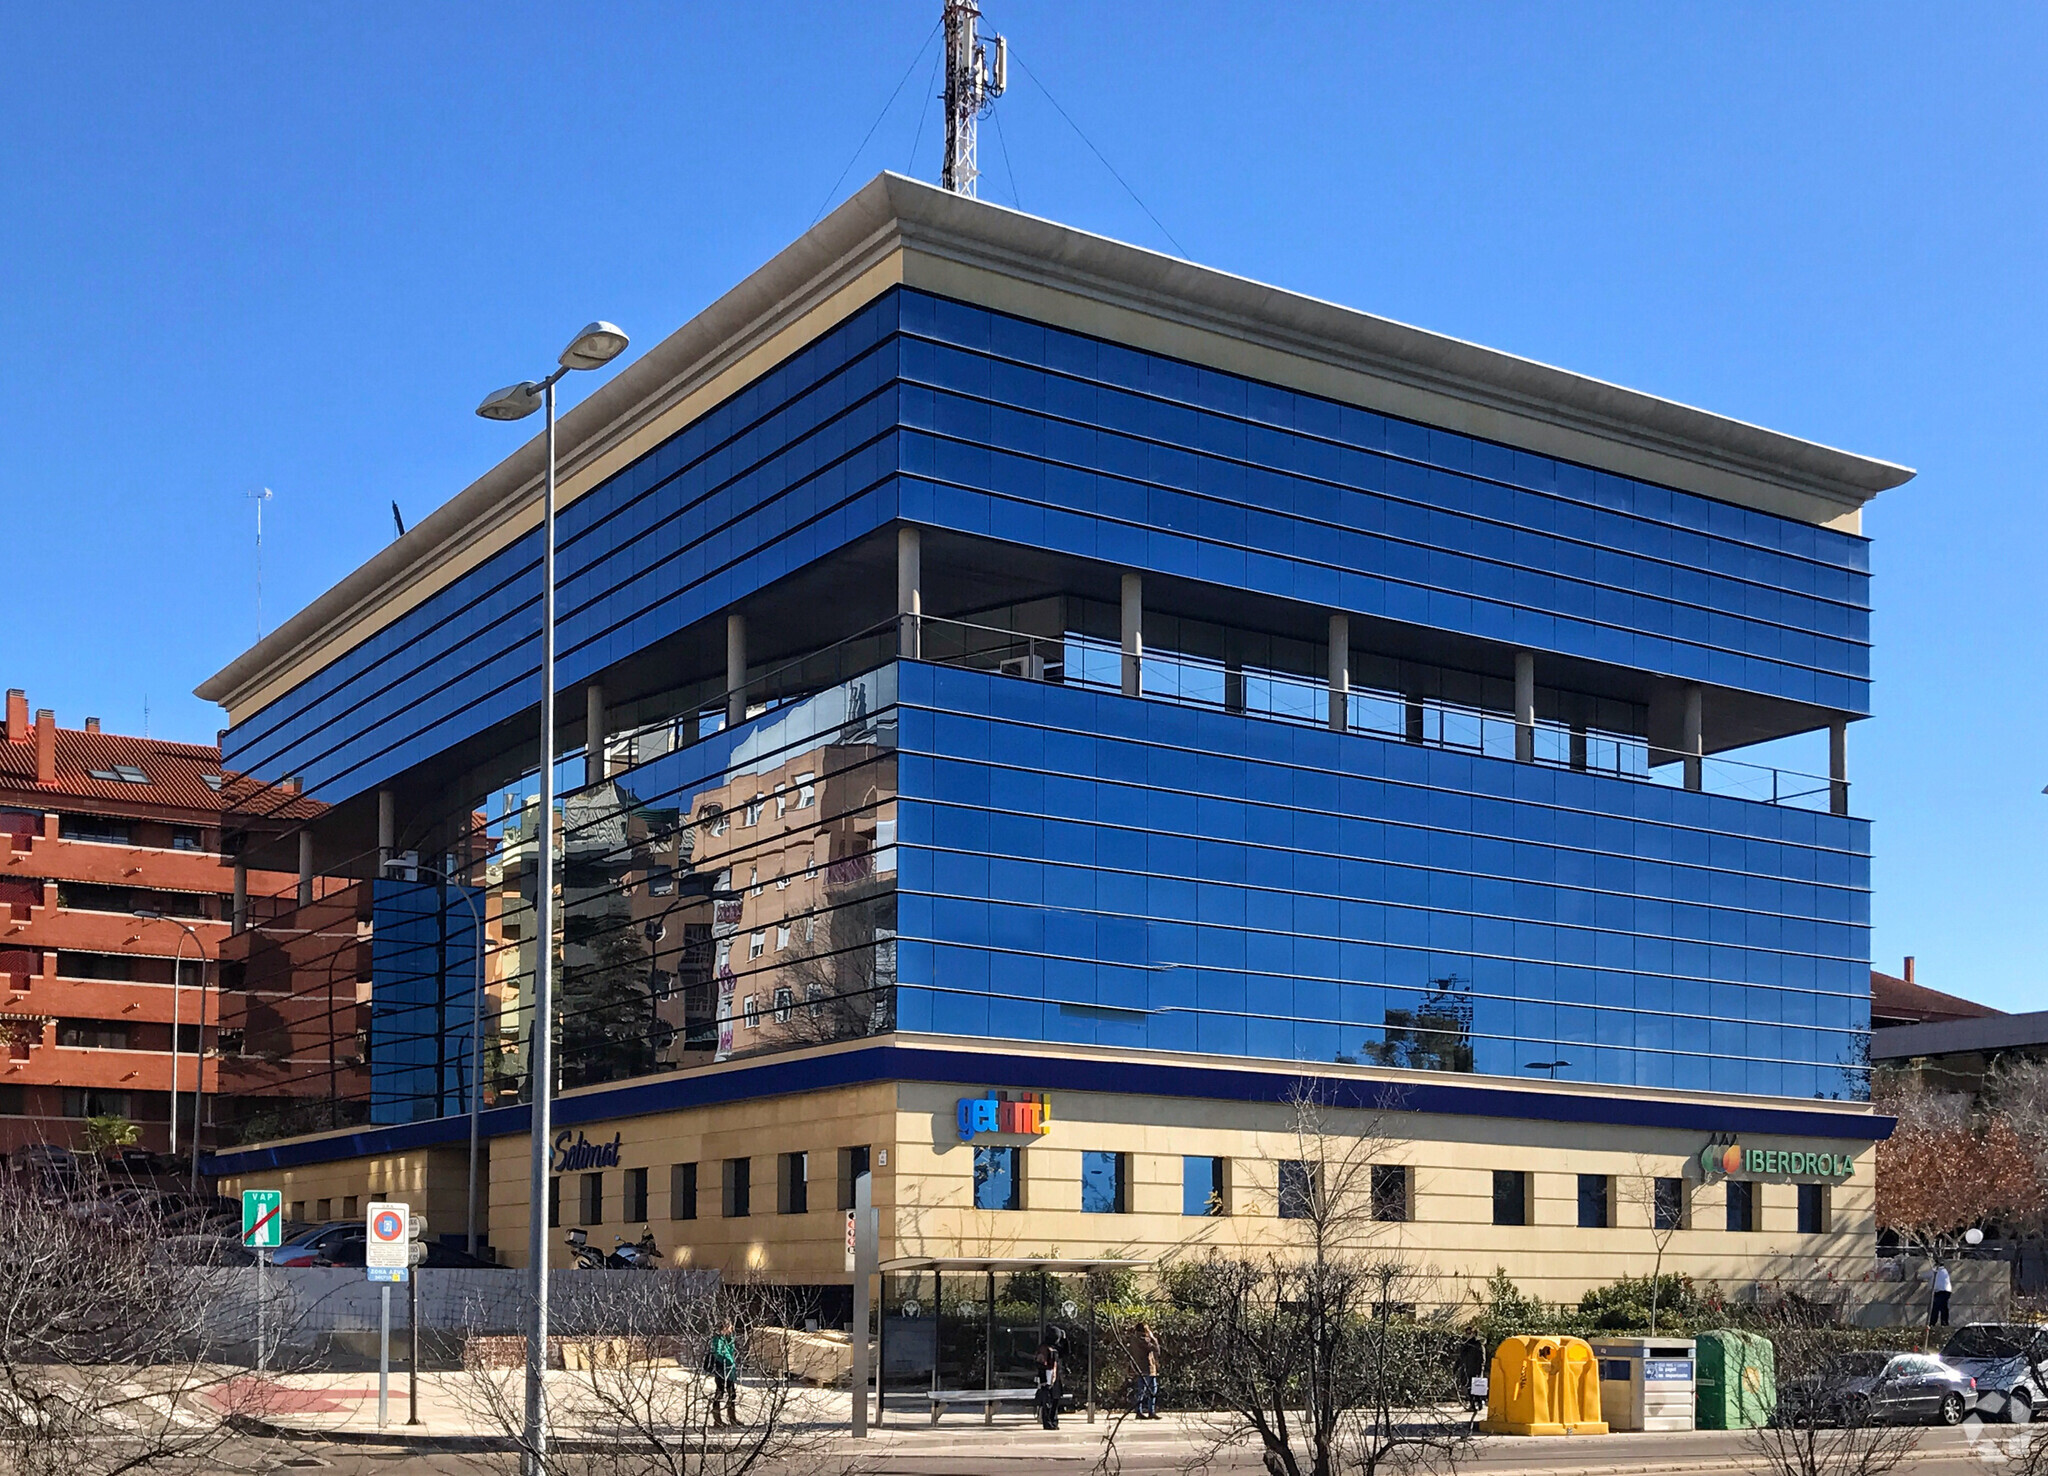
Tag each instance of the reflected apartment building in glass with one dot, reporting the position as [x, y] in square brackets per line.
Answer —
[1002, 663]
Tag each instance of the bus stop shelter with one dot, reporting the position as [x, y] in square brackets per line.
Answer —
[986, 1268]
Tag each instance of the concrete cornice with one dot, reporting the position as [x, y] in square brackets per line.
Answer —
[937, 239]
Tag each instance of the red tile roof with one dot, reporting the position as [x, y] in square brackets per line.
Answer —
[177, 774]
[1893, 1000]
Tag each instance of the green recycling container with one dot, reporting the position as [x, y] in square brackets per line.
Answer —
[1737, 1377]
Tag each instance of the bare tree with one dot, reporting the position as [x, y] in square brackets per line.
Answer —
[1642, 1188]
[635, 1395]
[113, 1354]
[1822, 1425]
[1312, 1348]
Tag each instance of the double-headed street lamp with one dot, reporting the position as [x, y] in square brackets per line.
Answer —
[151, 914]
[593, 348]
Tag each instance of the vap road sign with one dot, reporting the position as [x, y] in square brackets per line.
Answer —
[387, 1245]
[852, 1236]
[263, 1218]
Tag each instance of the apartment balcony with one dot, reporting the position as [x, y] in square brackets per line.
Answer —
[75, 928]
[50, 857]
[117, 1001]
[104, 1069]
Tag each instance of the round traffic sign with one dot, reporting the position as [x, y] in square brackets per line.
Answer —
[388, 1225]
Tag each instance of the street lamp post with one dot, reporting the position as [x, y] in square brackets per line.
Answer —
[151, 914]
[597, 345]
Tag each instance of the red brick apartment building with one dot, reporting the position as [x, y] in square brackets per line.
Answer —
[94, 828]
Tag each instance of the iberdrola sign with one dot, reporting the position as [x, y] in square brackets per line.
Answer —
[1733, 1158]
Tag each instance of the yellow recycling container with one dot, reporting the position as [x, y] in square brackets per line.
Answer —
[1543, 1386]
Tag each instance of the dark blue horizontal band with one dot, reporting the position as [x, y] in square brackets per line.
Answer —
[1075, 1074]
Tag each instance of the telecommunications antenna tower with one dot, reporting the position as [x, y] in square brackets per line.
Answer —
[972, 86]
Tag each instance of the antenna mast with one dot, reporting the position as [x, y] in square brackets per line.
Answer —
[972, 86]
[260, 496]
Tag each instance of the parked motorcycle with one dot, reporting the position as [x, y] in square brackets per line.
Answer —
[643, 1254]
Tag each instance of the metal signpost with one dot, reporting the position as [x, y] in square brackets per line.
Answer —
[387, 1257]
[262, 1232]
[415, 1255]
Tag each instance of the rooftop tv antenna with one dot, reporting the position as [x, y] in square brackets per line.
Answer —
[259, 496]
[972, 86]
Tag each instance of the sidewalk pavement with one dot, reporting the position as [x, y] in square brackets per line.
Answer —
[342, 1408]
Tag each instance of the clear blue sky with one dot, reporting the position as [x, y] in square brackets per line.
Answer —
[292, 245]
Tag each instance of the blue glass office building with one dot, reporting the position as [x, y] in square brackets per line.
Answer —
[980, 636]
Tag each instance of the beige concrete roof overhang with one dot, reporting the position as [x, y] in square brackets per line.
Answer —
[898, 231]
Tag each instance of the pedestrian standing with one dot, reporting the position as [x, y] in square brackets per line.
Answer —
[1937, 1313]
[1147, 1404]
[722, 1362]
[1048, 1385]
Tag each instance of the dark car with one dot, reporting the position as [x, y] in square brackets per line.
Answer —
[1875, 1388]
[348, 1250]
[2009, 1361]
[304, 1249]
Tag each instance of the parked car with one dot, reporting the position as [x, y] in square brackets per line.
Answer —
[304, 1248]
[2008, 1360]
[207, 1250]
[1879, 1388]
[348, 1250]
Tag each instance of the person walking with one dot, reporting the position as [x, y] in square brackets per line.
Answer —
[1049, 1385]
[1147, 1404]
[1943, 1284]
[722, 1362]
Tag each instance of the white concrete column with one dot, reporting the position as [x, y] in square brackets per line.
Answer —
[1838, 767]
[241, 914]
[1134, 634]
[735, 669]
[1340, 673]
[910, 593]
[387, 830]
[1692, 741]
[1525, 707]
[305, 868]
[593, 733]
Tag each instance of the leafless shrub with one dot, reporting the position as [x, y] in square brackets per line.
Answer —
[635, 1396]
[112, 1352]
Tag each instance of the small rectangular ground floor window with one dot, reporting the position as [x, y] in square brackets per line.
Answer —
[1813, 1209]
[636, 1195]
[590, 1201]
[682, 1191]
[1596, 1201]
[998, 1178]
[738, 1188]
[853, 1162]
[1205, 1186]
[1297, 1189]
[1741, 1204]
[793, 1184]
[1669, 1209]
[1105, 1183]
[1510, 1197]
[1390, 1192]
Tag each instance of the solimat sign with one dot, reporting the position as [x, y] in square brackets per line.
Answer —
[1733, 1158]
[1021, 1112]
[572, 1156]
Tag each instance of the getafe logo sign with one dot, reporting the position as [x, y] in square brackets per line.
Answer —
[1025, 1112]
[574, 1157]
[1733, 1158]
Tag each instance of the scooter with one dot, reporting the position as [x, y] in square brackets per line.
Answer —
[588, 1257]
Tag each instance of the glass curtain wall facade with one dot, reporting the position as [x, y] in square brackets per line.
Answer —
[976, 845]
